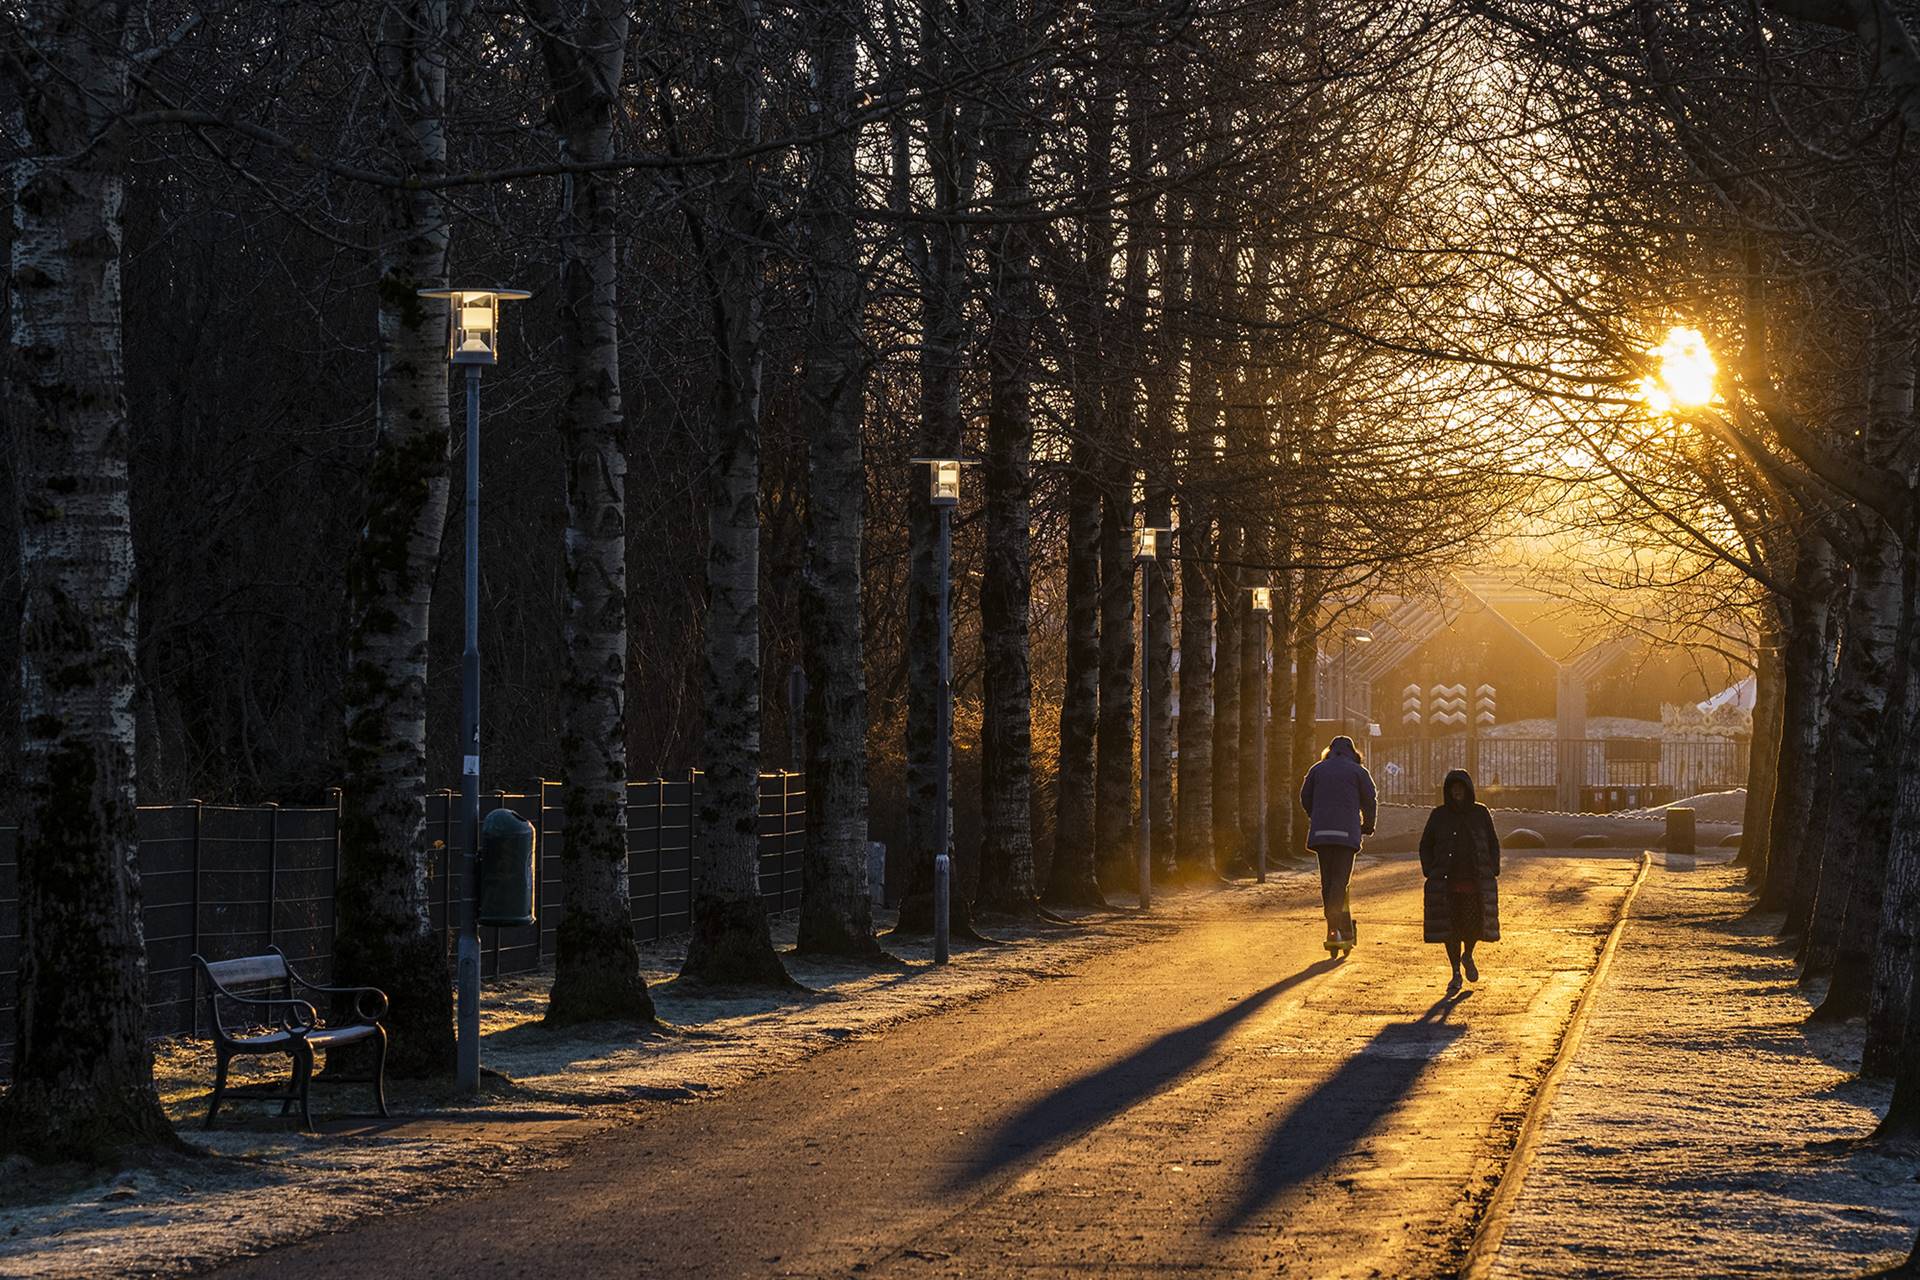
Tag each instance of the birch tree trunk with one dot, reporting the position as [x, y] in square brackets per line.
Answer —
[730, 940]
[1227, 689]
[596, 972]
[836, 910]
[1006, 588]
[1114, 780]
[1763, 763]
[82, 1086]
[1071, 881]
[1194, 831]
[1853, 771]
[940, 260]
[1892, 986]
[383, 932]
[1306, 709]
[1802, 699]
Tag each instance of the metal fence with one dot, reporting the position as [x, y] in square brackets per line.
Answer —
[227, 880]
[1606, 773]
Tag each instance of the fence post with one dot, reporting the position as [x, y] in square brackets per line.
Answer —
[193, 928]
[339, 797]
[539, 869]
[273, 863]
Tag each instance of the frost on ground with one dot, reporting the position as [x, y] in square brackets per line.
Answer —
[1704, 1128]
[267, 1183]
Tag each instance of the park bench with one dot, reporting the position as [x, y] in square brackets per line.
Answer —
[281, 1022]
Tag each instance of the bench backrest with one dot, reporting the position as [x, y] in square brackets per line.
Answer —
[244, 975]
[247, 970]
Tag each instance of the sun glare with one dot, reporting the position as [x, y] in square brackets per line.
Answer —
[1686, 373]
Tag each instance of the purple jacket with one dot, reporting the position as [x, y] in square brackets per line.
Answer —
[1339, 798]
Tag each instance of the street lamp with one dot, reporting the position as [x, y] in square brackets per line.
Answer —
[1351, 636]
[473, 340]
[1262, 610]
[1146, 552]
[943, 475]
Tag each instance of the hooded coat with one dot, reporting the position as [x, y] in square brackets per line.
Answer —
[1339, 798]
[1460, 843]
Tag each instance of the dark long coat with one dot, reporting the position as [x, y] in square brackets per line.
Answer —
[1449, 829]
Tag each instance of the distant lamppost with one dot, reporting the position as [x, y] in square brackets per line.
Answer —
[944, 495]
[473, 340]
[1262, 611]
[1146, 552]
[1348, 638]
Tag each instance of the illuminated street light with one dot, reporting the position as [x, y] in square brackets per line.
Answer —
[1262, 611]
[473, 340]
[1146, 552]
[943, 475]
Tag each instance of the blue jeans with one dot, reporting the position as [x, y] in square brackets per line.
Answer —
[1336, 871]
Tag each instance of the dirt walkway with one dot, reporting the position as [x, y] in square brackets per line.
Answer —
[1223, 1099]
[1704, 1129]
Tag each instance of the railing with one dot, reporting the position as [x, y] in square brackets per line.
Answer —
[1604, 773]
[227, 880]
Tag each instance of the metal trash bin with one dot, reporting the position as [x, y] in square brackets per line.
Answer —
[506, 869]
[1680, 833]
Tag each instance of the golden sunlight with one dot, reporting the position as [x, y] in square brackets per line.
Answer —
[1687, 369]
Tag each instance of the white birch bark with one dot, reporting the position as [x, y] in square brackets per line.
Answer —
[596, 972]
[384, 934]
[82, 1086]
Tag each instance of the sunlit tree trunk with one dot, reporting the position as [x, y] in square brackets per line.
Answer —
[1006, 586]
[1114, 780]
[1194, 822]
[1803, 678]
[1306, 707]
[82, 1086]
[730, 939]
[1763, 759]
[836, 910]
[1228, 686]
[383, 932]
[1071, 881]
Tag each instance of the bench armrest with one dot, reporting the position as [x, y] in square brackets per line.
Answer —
[298, 1015]
[368, 1010]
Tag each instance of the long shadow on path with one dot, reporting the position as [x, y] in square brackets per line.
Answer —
[1327, 1123]
[1100, 1095]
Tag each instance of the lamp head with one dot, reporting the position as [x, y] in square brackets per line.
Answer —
[473, 324]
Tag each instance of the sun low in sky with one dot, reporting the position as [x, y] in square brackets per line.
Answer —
[1687, 370]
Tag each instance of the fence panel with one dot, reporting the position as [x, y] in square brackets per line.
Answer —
[228, 880]
[1613, 773]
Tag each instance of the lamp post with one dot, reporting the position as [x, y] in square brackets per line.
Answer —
[944, 495]
[1262, 611]
[473, 340]
[1351, 636]
[1146, 551]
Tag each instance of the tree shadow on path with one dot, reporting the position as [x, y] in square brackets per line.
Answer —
[1092, 1099]
[1325, 1125]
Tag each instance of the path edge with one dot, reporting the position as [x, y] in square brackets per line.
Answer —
[1492, 1229]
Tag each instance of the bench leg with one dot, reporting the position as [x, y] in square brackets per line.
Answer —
[380, 1072]
[219, 1087]
[302, 1084]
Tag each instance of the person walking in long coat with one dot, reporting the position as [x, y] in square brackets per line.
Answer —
[1460, 854]
[1341, 804]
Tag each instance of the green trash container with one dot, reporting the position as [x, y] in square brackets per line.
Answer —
[506, 869]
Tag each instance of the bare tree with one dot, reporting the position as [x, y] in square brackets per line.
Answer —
[383, 932]
[82, 1086]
